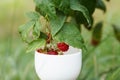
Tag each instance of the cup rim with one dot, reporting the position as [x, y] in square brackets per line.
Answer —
[76, 53]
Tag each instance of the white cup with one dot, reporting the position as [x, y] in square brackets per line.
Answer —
[59, 67]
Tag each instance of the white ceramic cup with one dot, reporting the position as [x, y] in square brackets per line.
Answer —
[59, 67]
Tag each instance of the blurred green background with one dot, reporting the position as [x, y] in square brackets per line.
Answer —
[99, 63]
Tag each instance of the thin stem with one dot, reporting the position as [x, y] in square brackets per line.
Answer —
[95, 66]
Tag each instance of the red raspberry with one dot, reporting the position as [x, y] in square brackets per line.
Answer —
[63, 46]
[39, 50]
[52, 52]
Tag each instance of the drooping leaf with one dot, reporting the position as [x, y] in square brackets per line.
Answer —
[24, 30]
[107, 0]
[90, 5]
[62, 5]
[40, 43]
[46, 7]
[75, 5]
[80, 18]
[116, 31]
[101, 5]
[87, 26]
[33, 15]
[57, 23]
[97, 33]
[71, 35]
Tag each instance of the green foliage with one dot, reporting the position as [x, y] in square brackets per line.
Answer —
[56, 13]
[71, 38]
[33, 24]
[74, 4]
[97, 31]
[62, 5]
[33, 15]
[116, 31]
[37, 29]
[62, 20]
[46, 7]
[36, 44]
[57, 23]
[101, 5]
[114, 74]
[24, 30]
[101, 61]
[90, 5]
[97, 34]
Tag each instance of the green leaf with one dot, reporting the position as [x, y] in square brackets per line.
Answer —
[43, 35]
[97, 31]
[57, 23]
[37, 29]
[71, 35]
[62, 5]
[101, 5]
[40, 43]
[75, 5]
[33, 15]
[90, 5]
[80, 19]
[97, 34]
[46, 7]
[117, 31]
[24, 30]
[87, 26]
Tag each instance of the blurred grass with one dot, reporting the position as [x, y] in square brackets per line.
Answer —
[98, 62]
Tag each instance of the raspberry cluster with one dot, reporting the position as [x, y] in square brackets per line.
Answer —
[61, 47]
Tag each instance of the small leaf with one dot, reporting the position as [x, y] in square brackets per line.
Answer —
[71, 35]
[74, 5]
[24, 30]
[101, 5]
[40, 43]
[97, 33]
[37, 29]
[107, 0]
[57, 23]
[46, 7]
[116, 31]
[33, 15]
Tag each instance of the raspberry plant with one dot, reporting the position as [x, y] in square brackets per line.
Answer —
[55, 21]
